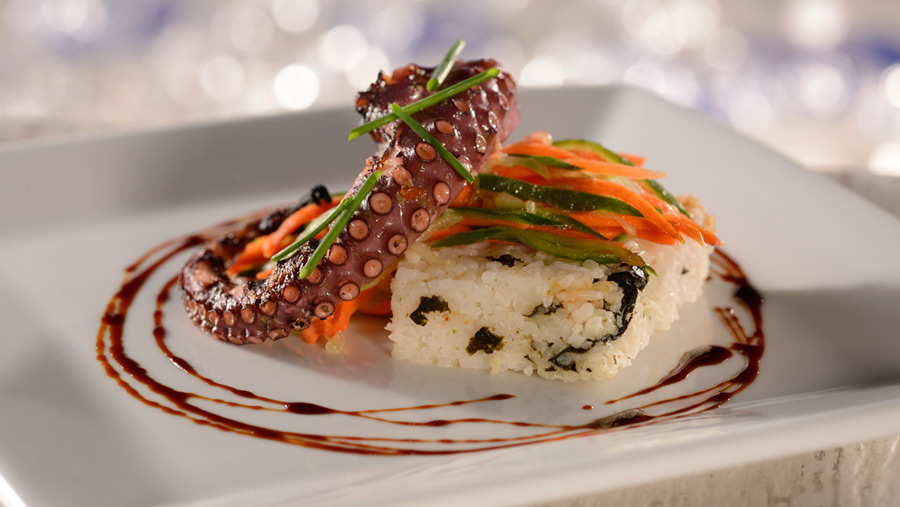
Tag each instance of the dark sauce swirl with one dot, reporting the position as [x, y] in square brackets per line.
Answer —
[128, 373]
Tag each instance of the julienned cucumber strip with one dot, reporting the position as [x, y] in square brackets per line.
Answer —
[518, 216]
[563, 247]
[569, 200]
[664, 194]
[610, 156]
[541, 217]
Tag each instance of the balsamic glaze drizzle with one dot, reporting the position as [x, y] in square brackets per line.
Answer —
[118, 365]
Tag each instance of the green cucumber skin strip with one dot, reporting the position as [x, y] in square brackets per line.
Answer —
[523, 217]
[546, 218]
[569, 200]
[419, 105]
[610, 156]
[557, 246]
[446, 65]
[661, 192]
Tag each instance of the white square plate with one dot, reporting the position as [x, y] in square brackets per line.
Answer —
[76, 213]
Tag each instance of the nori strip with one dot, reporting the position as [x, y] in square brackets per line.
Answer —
[428, 305]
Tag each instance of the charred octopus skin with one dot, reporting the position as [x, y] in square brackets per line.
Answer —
[416, 186]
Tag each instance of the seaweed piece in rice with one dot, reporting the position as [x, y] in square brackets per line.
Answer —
[632, 281]
[430, 304]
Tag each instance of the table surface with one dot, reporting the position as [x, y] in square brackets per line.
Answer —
[861, 474]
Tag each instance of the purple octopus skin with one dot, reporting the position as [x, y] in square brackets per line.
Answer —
[416, 186]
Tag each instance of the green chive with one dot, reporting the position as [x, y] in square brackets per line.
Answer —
[419, 129]
[426, 102]
[314, 227]
[338, 225]
[442, 70]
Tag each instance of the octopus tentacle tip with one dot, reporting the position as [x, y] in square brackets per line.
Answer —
[417, 185]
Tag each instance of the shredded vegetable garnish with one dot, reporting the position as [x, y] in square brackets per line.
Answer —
[429, 101]
[430, 139]
[610, 156]
[566, 199]
[443, 70]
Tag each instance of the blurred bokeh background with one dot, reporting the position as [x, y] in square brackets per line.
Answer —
[818, 80]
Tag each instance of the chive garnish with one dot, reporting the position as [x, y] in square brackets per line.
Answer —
[339, 224]
[443, 70]
[430, 139]
[426, 102]
[314, 227]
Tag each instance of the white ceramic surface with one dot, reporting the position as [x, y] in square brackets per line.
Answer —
[76, 213]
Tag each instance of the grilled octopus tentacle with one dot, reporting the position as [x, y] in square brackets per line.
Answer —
[416, 187]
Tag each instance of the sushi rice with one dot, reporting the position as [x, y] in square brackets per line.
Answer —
[501, 307]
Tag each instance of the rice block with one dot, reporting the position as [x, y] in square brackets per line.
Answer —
[505, 307]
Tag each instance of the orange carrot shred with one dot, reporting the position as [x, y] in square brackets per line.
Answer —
[589, 161]
[338, 321]
[538, 150]
[613, 169]
[275, 242]
[621, 192]
[252, 256]
[634, 159]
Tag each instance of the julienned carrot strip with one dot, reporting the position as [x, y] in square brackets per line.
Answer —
[338, 321]
[634, 159]
[315, 331]
[676, 218]
[378, 308]
[687, 229]
[443, 233]
[342, 312]
[657, 237]
[252, 256]
[462, 200]
[706, 234]
[613, 169]
[621, 192]
[588, 161]
[274, 242]
[595, 219]
[538, 137]
[538, 150]
[262, 275]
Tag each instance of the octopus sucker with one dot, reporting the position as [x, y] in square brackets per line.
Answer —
[416, 185]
